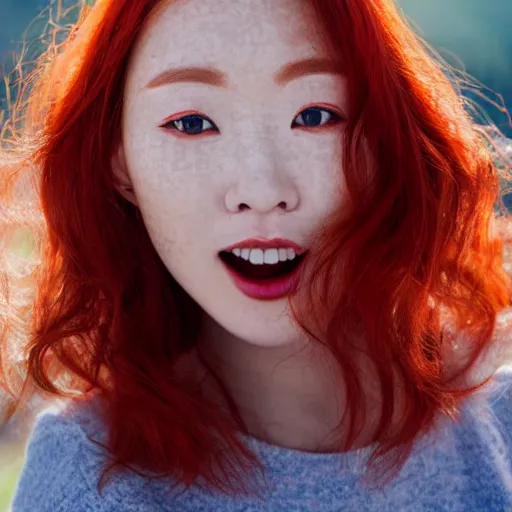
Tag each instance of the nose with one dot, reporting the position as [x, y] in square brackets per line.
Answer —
[262, 183]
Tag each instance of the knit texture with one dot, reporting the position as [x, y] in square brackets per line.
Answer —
[461, 466]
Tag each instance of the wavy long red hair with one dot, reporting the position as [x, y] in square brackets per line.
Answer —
[412, 266]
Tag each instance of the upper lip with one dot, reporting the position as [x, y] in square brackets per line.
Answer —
[266, 243]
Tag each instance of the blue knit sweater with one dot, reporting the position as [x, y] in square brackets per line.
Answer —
[461, 467]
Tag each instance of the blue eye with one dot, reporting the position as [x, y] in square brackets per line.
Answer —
[315, 116]
[196, 124]
[191, 125]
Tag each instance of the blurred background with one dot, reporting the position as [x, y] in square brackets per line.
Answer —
[473, 35]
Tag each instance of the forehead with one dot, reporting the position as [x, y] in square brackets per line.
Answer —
[238, 32]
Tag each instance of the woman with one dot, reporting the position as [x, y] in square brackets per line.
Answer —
[268, 278]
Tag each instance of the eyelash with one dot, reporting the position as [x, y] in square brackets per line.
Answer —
[174, 124]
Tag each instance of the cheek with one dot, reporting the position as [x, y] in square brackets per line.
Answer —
[163, 175]
[172, 192]
[319, 170]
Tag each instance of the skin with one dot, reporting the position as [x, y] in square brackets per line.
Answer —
[190, 190]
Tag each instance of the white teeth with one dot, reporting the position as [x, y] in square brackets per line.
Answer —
[267, 256]
[256, 257]
[271, 256]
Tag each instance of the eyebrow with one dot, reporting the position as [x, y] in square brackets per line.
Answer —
[212, 76]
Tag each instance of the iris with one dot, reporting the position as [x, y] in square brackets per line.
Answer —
[312, 116]
[192, 124]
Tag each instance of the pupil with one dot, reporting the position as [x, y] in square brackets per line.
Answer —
[312, 117]
[192, 124]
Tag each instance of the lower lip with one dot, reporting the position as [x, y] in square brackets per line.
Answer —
[268, 289]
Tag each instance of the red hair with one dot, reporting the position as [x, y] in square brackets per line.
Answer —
[410, 265]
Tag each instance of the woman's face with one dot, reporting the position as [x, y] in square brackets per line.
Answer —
[226, 140]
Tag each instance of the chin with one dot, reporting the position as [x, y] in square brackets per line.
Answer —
[262, 327]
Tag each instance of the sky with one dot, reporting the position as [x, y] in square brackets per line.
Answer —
[476, 33]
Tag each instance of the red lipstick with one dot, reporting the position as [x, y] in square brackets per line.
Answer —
[265, 243]
[272, 288]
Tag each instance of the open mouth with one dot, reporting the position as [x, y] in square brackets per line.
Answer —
[260, 272]
[263, 274]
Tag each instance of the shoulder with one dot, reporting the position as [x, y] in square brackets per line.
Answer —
[65, 457]
[59, 453]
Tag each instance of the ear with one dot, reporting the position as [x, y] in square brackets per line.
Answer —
[122, 180]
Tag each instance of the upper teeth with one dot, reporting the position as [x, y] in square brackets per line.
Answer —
[267, 256]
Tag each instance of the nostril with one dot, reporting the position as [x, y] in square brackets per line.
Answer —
[283, 205]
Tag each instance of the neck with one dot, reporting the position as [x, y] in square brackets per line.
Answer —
[291, 396]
